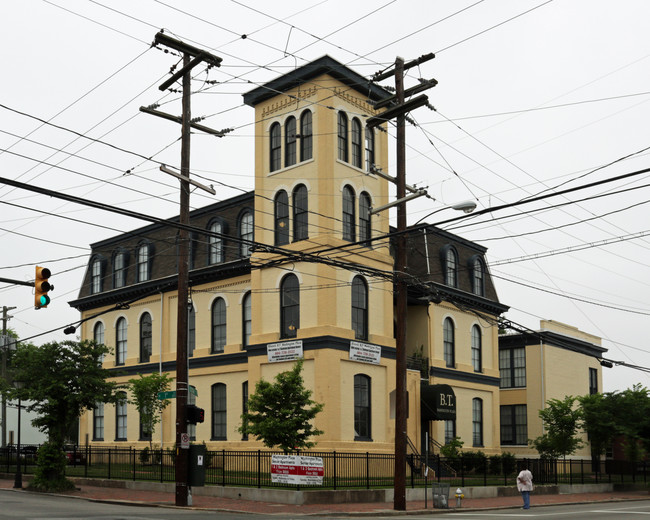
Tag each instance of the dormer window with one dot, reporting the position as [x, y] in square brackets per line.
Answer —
[477, 270]
[449, 258]
[119, 268]
[143, 256]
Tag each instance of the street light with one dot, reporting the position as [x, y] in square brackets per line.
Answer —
[18, 483]
[466, 206]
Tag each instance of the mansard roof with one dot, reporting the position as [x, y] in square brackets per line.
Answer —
[324, 65]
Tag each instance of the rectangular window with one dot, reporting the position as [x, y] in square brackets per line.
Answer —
[593, 381]
[219, 431]
[98, 422]
[450, 430]
[244, 404]
[362, 424]
[514, 425]
[477, 422]
[512, 367]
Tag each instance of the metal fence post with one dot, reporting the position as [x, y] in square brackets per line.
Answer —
[334, 464]
[367, 470]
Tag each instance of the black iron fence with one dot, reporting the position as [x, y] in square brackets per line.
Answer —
[341, 470]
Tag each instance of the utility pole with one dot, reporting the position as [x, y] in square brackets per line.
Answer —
[399, 111]
[5, 348]
[192, 56]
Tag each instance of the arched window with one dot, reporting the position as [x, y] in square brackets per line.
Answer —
[449, 342]
[247, 319]
[144, 262]
[119, 269]
[289, 306]
[120, 418]
[219, 412]
[96, 275]
[359, 308]
[120, 342]
[343, 136]
[450, 262]
[145, 338]
[246, 234]
[290, 141]
[365, 231]
[281, 210]
[362, 415]
[300, 213]
[477, 422]
[98, 337]
[357, 157]
[370, 148]
[306, 143]
[215, 243]
[276, 148]
[478, 276]
[477, 354]
[348, 214]
[191, 331]
[218, 326]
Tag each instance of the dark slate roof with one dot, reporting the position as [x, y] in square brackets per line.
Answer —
[301, 75]
[548, 337]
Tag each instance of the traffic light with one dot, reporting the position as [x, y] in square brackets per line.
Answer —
[41, 287]
[195, 414]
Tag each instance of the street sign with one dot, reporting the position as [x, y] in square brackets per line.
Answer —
[170, 394]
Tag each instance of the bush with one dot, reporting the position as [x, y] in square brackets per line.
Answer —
[144, 455]
[495, 464]
[474, 461]
[509, 463]
[50, 471]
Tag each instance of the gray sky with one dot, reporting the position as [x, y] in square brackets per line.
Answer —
[532, 95]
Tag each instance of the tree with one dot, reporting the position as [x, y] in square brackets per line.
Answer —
[61, 381]
[599, 420]
[280, 413]
[145, 391]
[561, 422]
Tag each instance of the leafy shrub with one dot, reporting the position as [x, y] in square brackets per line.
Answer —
[50, 471]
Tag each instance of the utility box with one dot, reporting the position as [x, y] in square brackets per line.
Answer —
[196, 467]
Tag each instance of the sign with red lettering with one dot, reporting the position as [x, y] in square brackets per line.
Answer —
[297, 469]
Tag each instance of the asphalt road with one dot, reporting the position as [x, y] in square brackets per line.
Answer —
[32, 506]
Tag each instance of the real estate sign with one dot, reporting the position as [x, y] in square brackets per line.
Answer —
[297, 469]
[365, 352]
[286, 351]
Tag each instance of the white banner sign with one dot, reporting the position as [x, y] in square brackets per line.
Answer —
[297, 469]
[287, 351]
[365, 353]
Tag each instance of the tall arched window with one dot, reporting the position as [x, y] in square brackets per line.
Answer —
[98, 337]
[477, 354]
[96, 275]
[362, 415]
[119, 269]
[370, 148]
[145, 338]
[357, 145]
[478, 278]
[300, 213]
[218, 326]
[281, 211]
[144, 260]
[215, 243]
[246, 234]
[450, 260]
[289, 306]
[247, 319]
[290, 141]
[477, 422]
[120, 342]
[449, 342]
[275, 148]
[343, 136]
[191, 331]
[360, 308]
[365, 231]
[306, 143]
[348, 214]
[219, 412]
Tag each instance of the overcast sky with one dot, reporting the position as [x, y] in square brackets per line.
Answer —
[533, 97]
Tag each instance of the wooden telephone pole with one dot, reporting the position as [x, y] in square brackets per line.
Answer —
[192, 56]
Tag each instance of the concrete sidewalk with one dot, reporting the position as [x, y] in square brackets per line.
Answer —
[161, 498]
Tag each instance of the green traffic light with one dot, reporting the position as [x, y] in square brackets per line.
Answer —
[44, 300]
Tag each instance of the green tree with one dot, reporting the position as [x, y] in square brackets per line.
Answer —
[632, 414]
[599, 421]
[281, 413]
[61, 381]
[561, 422]
[145, 391]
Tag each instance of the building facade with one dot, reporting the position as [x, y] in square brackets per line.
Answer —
[301, 268]
[557, 361]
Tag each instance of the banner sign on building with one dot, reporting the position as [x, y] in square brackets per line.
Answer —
[365, 353]
[287, 351]
[297, 469]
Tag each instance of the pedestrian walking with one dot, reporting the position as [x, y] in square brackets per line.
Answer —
[525, 486]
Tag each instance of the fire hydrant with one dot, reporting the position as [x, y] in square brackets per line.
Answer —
[459, 497]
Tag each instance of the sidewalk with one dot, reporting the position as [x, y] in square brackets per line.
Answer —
[156, 498]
